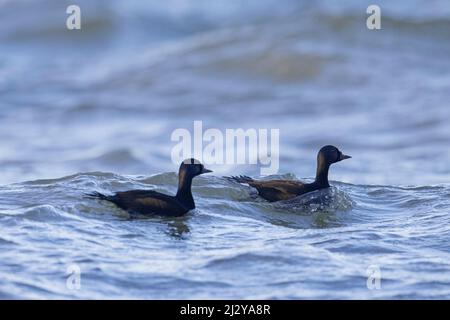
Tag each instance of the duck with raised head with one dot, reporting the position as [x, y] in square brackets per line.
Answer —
[150, 202]
[276, 190]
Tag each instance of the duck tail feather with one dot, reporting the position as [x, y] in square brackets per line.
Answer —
[240, 179]
[96, 195]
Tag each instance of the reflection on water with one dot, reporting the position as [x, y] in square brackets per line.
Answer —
[178, 228]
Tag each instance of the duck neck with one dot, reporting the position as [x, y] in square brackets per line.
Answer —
[184, 194]
[322, 174]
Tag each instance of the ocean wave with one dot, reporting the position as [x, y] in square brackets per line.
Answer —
[231, 233]
[341, 197]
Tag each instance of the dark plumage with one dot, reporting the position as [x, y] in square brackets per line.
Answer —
[276, 190]
[155, 203]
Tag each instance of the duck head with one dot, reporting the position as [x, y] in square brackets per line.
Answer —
[330, 154]
[189, 169]
[327, 156]
[192, 168]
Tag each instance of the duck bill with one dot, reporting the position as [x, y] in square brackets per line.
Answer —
[343, 157]
[205, 171]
